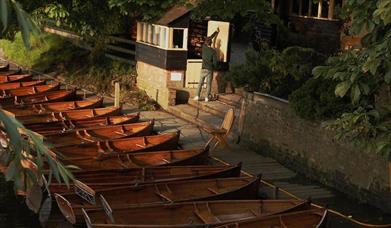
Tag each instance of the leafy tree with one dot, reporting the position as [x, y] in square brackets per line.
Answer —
[257, 11]
[278, 73]
[145, 10]
[364, 75]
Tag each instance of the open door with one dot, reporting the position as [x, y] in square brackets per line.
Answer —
[221, 43]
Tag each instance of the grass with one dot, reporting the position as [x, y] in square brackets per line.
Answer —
[88, 70]
[16, 51]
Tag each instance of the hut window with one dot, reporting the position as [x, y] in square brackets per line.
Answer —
[177, 38]
[320, 9]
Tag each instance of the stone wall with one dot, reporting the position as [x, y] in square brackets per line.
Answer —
[272, 128]
[158, 83]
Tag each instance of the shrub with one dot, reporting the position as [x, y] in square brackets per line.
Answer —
[316, 100]
[274, 72]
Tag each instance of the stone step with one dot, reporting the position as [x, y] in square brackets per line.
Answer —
[214, 107]
[230, 99]
[195, 116]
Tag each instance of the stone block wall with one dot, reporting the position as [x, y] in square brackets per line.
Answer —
[273, 129]
[157, 83]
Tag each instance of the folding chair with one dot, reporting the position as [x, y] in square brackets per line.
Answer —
[219, 135]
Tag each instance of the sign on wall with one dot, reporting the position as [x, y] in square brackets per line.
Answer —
[176, 76]
[222, 40]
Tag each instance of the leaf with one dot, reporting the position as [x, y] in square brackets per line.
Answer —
[342, 88]
[356, 94]
[45, 211]
[387, 77]
[34, 198]
[11, 171]
[4, 11]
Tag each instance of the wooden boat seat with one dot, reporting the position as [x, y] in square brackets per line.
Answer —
[206, 215]
[145, 143]
[54, 118]
[108, 148]
[39, 109]
[85, 136]
[214, 191]
[165, 194]
[121, 131]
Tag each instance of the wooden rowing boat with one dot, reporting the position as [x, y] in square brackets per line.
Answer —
[101, 179]
[70, 125]
[15, 78]
[315, 218]
[60, 95]
[100, 133]
[204, 213]
[144, 159]
[16, 85]
[81, 114]
[156, 194]
[55, 107]
[4, 68]
[8, 96]
[10, 72]
[112, 148]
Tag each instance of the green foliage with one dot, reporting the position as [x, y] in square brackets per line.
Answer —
[144, 10]
[24, 154]
[17, 51]
[315, 100]
[274, 72]
[12, 8]
[256, 11]
[363, 74]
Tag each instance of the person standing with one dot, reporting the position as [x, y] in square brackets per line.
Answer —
[209, 63]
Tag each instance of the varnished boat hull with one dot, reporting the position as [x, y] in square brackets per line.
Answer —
[316, 218]
[101, 133]
[9, 96]
[102, 179]
[83, 114]
[9, 72]
[69, 125]
[16, 85]
[113, 148]
[157, 194]
[144, 159]
[13, 77]
[4, 68]
[203, 213]
[53, 96]
[35, 109]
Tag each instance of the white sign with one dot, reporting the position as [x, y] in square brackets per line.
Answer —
[176, 76]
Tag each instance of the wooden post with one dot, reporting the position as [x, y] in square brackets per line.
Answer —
[117, 94]
[290, 8]
[310, 8]
[331, 9]
[320, 6]
[274, 5]
[300, 8]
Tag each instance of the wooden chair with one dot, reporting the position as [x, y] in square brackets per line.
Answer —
[219, 135]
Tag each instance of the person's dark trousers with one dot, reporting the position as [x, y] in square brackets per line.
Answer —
[208, 74]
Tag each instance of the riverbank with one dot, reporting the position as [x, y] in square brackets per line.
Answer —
[192, 136]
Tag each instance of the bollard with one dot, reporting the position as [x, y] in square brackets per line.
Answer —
[116, 94]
